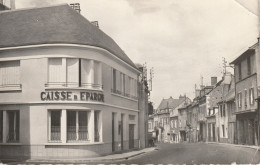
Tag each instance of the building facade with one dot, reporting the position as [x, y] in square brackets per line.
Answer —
[67, 89]
[246, 93]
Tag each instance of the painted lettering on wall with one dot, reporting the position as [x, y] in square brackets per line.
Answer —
[70, 96]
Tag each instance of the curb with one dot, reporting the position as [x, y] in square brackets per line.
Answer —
[235, 145]
[89, 160]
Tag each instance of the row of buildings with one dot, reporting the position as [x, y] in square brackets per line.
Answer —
[66, 88]
[227, 111]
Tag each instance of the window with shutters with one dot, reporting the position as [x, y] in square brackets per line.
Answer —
[10, 75]
[239, 99]
[251, 96]
[123, 85]
[74, 72]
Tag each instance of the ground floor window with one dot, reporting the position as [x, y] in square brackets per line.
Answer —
[97, 126]
[13, 120]
[74, 126]
[77, 126]
[55, 125]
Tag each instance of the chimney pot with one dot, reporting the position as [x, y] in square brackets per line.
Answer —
[214, 81]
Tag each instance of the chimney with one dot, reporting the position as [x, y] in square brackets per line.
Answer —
[12, 4]
[197, 93]
[214, 81]
[95, 23]
[227, 78]
[75, 6]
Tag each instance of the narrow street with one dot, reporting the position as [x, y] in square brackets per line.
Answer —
[196, 153]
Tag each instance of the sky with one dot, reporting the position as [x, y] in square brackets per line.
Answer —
[183, 40]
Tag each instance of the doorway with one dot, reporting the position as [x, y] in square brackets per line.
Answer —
[131, 136]
[113, 132]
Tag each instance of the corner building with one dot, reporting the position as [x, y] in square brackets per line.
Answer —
[66, 88]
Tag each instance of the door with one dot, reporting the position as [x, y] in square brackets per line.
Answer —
[131, 136]
[213, 132]
[113, 132]
[122, 132]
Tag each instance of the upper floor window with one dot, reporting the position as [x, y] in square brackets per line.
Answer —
[123, 84]
[248, 66]
[239, 99]
[73, 72]
[251, 96]
[10, 75]
[239, 71]
[245, 98]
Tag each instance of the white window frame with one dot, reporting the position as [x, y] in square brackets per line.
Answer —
[239, 99]
[12, 80]
[251, 96]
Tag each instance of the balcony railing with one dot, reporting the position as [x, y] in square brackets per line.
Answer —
[55, 134]
[74, 84]
[81, 135]
[11, 86]
[13, 137]
[97, 136]
[123, 94]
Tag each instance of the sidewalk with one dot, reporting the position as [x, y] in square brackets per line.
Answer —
[236, 145]
[108, 158]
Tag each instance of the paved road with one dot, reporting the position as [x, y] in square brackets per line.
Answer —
[196, 153]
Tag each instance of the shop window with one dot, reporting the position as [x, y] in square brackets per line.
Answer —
[77, 126]
[251, 96]
[13, 120]
[55, 119]
[1, 126]
[10, 75]
[97, 126]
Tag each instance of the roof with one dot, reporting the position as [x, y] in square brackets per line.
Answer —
[170, 103]
[249, 51]
[54, 25]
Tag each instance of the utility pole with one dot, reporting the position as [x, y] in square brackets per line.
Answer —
[151, 79]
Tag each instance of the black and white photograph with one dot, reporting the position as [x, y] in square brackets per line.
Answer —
[129, 82]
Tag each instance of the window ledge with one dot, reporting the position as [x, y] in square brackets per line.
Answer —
[11, 144]
[73, 144]
[73, 88]
[124, 97]
[7, 89]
